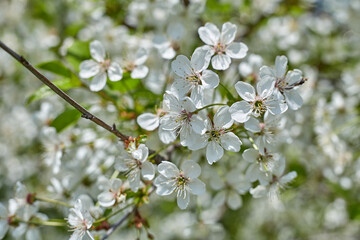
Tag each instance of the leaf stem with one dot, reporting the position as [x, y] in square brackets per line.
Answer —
[43, 199]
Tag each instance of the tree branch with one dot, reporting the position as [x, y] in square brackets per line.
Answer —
[116, 225]
[85, 114]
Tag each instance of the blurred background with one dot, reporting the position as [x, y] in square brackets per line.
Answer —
[321, 141]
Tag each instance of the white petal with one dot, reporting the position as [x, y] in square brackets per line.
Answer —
[200, 59]
[115, 72]
[175, 30]
[252, 125]
[141, 153]
[214, 152]
[288, 177]
[258, 192]
[172, 103]
[221, 62]
[219, 199]
[167, 52]
[148, 121]
[237, 50]
[234, 201]
[166, 136]
[3, 212]
[164, 186]
[198, 124]
[182, 66]
[222, 118]
[191, 169]
[209, 79]
[181, 86]
[139, 72]
[281, 66]
[230, 142]
[188, 105]
[141, 56]
[266, 71]
[197, 95]
[134, 181]
[197, 142]
[4, 227]
[168, 169]
[293, 99]
[209, 34]
[197, 187]
[293, 76]
[240, 111]
[277, 105]
[245, 91]
[250, 155]
[265, 87]
[19, 230]
[116, 184]
[98, 82]
[106, 199]
[89, 68]
[183, 200]
[97, 51]
[252, 173]
[148, 170]
[228, 32]
[121, 165]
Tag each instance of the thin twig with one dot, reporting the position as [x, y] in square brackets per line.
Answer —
[85, 113]
[116, 225]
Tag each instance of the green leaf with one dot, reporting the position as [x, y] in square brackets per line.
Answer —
[55, 67]
[80, 50]
[124, 85]
[44, 91]
[65, 119]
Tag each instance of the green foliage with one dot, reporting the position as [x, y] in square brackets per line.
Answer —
[65, 119]
[55, 67]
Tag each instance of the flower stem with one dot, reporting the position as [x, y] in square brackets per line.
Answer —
[210, 105]
[50, 222]
[229, 94]
[112, 214]
[43, 199]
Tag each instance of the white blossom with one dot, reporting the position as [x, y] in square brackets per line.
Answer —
[136, 165]
[183, 181]
[285, 82]
[256, 104]
[112, 194]
[99, 67]
[193, 76]
[80, 221]
[221, 44]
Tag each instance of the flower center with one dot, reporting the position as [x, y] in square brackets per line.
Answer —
[194, 79]
[181, 182]
[258, 106]
[219, 48]
[105, 65]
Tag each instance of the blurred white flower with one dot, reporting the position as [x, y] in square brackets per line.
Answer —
[100, 68]
[112, 195]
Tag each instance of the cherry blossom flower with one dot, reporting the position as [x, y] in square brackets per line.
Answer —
[181, 118]
[4, 226]
[192, 76]
[256, 104]
[285, 84]
[277, 182]
[135, 165]
[183, 182]
[80, 221]
[221, 44]
[262, 164]
[134, 64]
[217, 137]
[168, 45]
[99, 68]
[113, 194]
